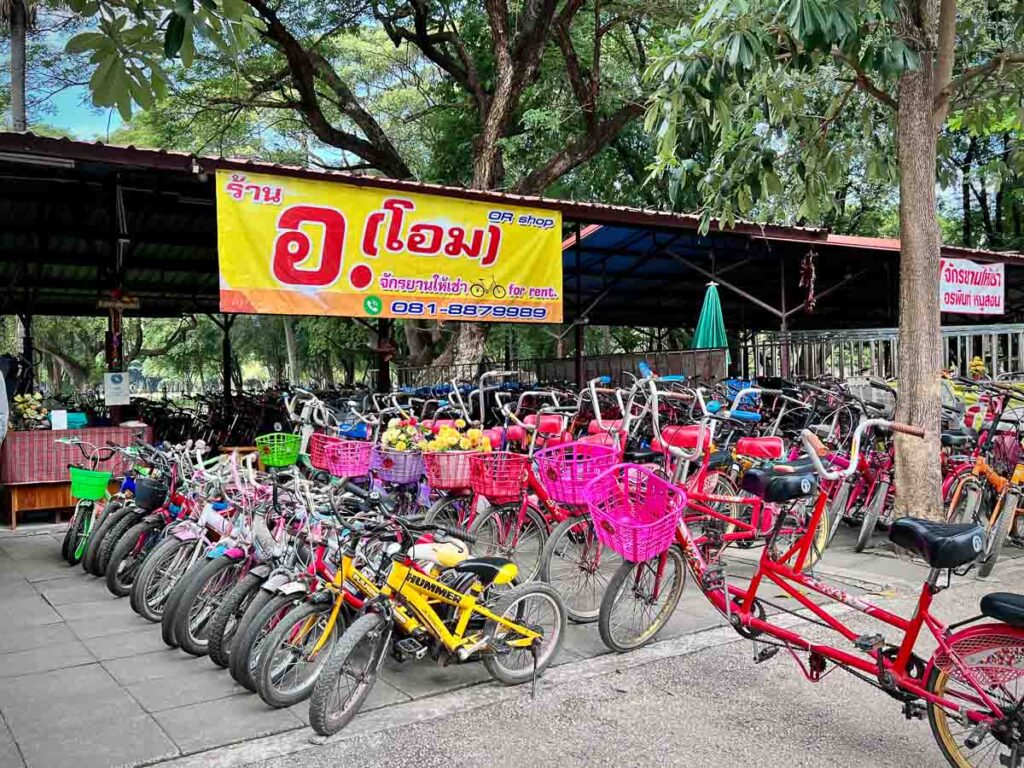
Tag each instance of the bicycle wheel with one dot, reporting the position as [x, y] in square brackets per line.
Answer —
[112, 537]
[289, 664]
[499, 291]
[157, 577]
[498, 532]
[994, 656]
[837, 508]
[450, 510]
[579, 568]
[349, 675]
[228, 617]
[637, 604]
[79, 531]
[200, 599]
[477, 291]
[538, 607]
[245, 657]
[872, 511]
[966, 501]
[113, 514]
[996, 534]
[128, 555]
[69, 534]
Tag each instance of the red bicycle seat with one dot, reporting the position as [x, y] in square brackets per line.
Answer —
[546, 423]
[613, 425]
[760, 447]
[682, 437]
[602, 438]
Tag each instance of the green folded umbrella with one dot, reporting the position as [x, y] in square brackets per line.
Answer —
[710, 331]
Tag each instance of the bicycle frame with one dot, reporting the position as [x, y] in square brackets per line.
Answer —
[786, 573]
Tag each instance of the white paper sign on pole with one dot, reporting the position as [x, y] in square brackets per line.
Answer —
[58, 420]
[968, 288]
[115, 389]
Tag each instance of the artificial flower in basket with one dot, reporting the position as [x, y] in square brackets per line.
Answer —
[447, 455]
[403, 435]
[451, 439]
[29, 412]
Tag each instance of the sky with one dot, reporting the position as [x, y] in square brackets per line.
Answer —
[72, 112]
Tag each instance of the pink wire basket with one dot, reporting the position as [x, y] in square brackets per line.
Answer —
[318, 449]
[635, 512]
[448, 470]
[564, 470]
[349, 458]
[399, 467]
[499, 475]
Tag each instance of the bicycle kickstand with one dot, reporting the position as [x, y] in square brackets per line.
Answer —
[533, 681]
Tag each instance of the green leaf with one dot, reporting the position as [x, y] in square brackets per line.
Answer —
[175, 36]
[86, 41]
[187, 45]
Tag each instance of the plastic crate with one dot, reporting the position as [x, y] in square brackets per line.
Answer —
[499, 475]
[89, 484]
[564, 470]
[279, 449]
[635, 512]
[448, 470]
[318, 449]
[349, 458]
[399, 467]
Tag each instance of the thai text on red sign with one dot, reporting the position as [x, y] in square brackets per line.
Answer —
[968, 288]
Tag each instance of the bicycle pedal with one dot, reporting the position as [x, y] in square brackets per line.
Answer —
[869, 643]
[914, 710]
[765, 653]
[411, 648]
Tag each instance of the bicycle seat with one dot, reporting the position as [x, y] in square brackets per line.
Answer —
[941, 545]
[1004, 606]
[682, 437]
[490, 570]
[954, 438]
[612, 425]
[760, 447]
[779, 482]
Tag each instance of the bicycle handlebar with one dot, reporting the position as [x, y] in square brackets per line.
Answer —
[816, 449]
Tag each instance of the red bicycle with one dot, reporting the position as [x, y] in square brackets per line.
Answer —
[971, 686]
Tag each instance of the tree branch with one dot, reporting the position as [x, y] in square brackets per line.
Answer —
[863, 81]
[943, 70]
[997, 62]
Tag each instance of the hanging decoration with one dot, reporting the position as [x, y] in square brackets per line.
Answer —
[807, 277]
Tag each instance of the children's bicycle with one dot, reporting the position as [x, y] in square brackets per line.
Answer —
[91, 487]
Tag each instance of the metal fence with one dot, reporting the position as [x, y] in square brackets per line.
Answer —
[706, 364]
[874, 351]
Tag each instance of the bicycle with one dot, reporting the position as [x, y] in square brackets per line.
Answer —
[479, 289]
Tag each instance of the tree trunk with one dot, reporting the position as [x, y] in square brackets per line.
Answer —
[965, 190]
[19, 32]
[328, 370]
[918, 475]
[291, 350]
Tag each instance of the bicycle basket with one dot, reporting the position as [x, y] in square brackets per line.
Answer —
[150, 493]
[635, 512]
[278, 449]
[498, 475]
[349, 458]
[448, 470]
[318, 449]
[398, 467]
[564, 470]
[89, 484]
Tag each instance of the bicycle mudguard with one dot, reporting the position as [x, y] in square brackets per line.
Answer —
[184, 533]
[293, 588]
[153, 517]
[262, 571]
[276, 581]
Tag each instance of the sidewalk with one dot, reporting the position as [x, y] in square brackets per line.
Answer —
[86, 682]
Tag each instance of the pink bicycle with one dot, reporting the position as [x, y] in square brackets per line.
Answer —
[971, 688]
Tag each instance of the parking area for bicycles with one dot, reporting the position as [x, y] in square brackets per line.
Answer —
[84, 681]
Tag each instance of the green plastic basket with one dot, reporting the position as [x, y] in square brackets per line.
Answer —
[89, 484]
[278, 449]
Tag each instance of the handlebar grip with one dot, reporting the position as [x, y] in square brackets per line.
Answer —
[907, 429]
[770, 391]
[815, 443]
[356, 490]
[458, 532]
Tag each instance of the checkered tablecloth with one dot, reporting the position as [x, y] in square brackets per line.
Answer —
[36, 456]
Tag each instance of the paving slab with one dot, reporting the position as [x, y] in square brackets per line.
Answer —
[140, 640]
[106, 605]
[422, 678]
[26, 638]
[77, 589]
[214, 723]
[110, 625]
[382, 695]
[27, 612]
[10, 754]
[45, 658]
[144, 667]
[207, 683]
[101, 744]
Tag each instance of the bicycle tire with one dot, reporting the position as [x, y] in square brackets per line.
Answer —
[120, 582]
[69, 534]
[996, 536]
[112, 537]
[164, 554]
[249, 647]
[963, 508]
[495, 664]
[171, 606]
[477, 291]
[872, 512]
[107, 522]
[446, 511]
[496, 541]
[326, 719]
[226, 619]
[595, 563]
[837, 509]
[212, 582]
[615, 589]
[271, 670]
[259, 601]
[499, 291]
[951, 743]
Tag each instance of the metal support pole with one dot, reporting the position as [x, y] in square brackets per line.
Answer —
[226, 360]
[783, 327]
[28, 350]
[578, 353]
[383, 359]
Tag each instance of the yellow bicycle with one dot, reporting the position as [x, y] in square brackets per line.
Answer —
[517, 637]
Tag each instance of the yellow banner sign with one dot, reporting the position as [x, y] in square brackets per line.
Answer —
[303, 247]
